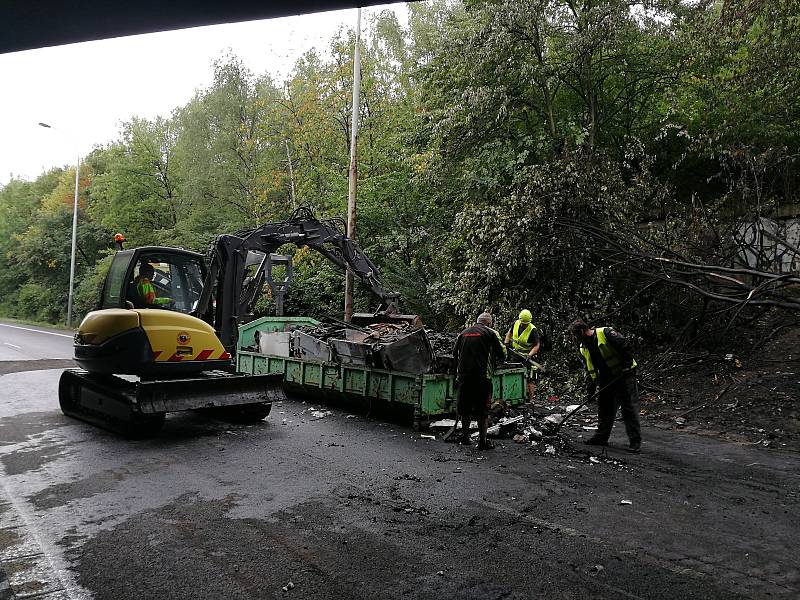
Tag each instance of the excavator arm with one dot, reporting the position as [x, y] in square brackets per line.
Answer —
[227, 268]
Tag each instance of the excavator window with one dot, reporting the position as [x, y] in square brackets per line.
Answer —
[176, 282]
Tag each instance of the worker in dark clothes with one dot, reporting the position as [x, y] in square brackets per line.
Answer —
[612, 370]
[478, 350]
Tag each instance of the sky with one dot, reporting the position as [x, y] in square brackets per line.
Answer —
[85, 91]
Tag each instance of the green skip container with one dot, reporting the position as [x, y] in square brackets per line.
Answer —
[427, 395]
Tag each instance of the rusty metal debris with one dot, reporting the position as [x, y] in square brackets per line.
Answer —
[400, 345]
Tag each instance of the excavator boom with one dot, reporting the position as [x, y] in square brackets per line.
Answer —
[224, 282]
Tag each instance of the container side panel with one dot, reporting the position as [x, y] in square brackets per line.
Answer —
[406, 389]
[312, 374]
[379, 385]
[294, 371]
[434, 395]
[355, 381]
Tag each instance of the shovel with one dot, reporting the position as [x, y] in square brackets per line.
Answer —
[526, 360]
[554, 429]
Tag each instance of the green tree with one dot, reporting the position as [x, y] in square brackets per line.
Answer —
[230, 152]
[138, 190]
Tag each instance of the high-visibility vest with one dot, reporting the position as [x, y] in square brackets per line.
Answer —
[147, 292]
[519, 340]
[610, 356]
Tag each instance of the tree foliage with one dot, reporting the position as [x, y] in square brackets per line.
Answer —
[489, 131]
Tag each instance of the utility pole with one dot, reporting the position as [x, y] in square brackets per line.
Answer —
[74, 232]
[353, 180]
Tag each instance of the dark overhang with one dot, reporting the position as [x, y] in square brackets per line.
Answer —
[28, 24]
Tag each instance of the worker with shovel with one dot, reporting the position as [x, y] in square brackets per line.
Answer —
[523, 339]
[478, 349]
[611, 366]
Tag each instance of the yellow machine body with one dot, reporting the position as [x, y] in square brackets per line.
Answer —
[178, 337]
[147, 342]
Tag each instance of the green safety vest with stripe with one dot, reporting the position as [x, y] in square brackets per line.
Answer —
[147, 292]
[519, 339]
[610, 356]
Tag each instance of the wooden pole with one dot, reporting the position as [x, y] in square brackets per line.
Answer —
[353, 179]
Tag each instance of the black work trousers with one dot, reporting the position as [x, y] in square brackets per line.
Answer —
[624, 395]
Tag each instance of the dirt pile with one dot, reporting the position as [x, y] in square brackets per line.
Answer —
[751, 395]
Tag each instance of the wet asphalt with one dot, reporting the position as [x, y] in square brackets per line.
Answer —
[338, 504]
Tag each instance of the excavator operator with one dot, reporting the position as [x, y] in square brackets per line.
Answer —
[145, 289]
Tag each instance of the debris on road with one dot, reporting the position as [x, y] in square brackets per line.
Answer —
[625, 502]
[288, 586]
[503, 425]
[595, 570]
[448, 423]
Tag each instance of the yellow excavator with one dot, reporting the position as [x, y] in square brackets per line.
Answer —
[164, 336]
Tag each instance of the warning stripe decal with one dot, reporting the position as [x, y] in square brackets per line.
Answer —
[203, 355]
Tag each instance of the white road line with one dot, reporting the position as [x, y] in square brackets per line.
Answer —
[58, 568]
[13, 346]
[37, 331]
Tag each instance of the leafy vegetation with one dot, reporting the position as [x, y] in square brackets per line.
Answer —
[489, 130]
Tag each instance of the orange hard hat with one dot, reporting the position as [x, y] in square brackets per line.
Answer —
[118, 237]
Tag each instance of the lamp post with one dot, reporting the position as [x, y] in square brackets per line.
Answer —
[74, 235]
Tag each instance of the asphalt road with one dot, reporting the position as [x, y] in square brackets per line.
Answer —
[26, 342]
[344, 506]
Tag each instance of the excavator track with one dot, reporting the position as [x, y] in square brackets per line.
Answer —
[106, 401]
[138, 409]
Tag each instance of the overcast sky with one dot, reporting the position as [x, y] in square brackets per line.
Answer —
[86, 90]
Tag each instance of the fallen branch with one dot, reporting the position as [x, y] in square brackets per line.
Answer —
[710, 402]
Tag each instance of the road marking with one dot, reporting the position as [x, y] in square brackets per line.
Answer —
[13, 346]
[37, 331]
[57, 567]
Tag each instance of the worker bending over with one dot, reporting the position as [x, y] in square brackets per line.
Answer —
[612, 373]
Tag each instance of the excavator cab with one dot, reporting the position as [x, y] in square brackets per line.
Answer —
[176, 277]
[146, 321]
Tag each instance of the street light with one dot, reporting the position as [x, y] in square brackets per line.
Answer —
[74, 234]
